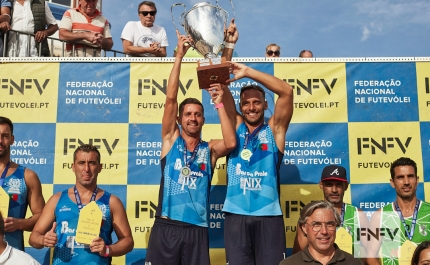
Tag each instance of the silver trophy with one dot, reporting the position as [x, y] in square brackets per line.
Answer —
[206, 24]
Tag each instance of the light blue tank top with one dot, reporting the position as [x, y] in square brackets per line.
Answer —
[253, 185]
[184, 198]
[67, 251]
[15, 186]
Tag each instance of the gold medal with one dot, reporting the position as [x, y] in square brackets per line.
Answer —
[246, 154]
[185, 171]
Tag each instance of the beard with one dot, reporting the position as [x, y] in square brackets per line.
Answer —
[5, 152]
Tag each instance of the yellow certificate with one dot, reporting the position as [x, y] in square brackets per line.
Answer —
[406, 252]
[344, 240]
[4, 202]
[90, 220]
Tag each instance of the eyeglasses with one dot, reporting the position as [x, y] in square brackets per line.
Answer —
[145, 13]
[270, 53]
[316, 226]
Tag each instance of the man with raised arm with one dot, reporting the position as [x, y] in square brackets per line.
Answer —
[405, 221]
[57, 225]
[254, 226]
[23, 187]
[180, 231]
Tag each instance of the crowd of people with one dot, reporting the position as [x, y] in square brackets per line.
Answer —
[86, 31]
[329, 230]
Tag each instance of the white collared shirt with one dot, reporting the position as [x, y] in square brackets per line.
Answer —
[23, 20]
[13, 256]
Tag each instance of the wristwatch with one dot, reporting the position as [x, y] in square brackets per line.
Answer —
[107, 252]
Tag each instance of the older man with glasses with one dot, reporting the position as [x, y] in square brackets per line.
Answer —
[273, 50]
[319, 220]
[144, 38]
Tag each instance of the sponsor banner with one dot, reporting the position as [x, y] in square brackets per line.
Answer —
[235, 87]
[374, 146]
[423, 84]
[319, 90]
[93, 92]
[28, 91]
[293, 199]
[310, 147]
[142, 204]
[111, 142]
[144, 152]
[217, 256]
[425, 145]
[209, 132]
[382, 92]
[34, 148]
[216, 216]
[148, 86]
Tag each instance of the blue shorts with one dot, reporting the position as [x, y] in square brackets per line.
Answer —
[254, 240]
[176, 243]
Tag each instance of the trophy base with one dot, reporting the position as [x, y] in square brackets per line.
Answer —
[211, 71]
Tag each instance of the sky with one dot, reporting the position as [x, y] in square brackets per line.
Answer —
[329, 28]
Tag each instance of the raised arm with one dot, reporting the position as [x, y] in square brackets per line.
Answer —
[284, 105]
[225, 145]
[231, 37]
[43, 234]
[35, 201]
[170, 129]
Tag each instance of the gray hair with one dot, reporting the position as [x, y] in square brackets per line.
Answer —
[310, 208]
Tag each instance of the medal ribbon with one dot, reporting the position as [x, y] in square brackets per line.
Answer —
[193, 156]
[414, 219]
[249, 138]
[78, 197]
[342, 214]
[3, 175]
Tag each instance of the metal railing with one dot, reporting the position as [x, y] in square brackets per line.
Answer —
[55, 45]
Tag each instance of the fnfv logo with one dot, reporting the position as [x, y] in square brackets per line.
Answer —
[145, 206]
[311, 84]
[293, 206]
[23, 84]
[146, 84]
[73, 143]
[383, 144]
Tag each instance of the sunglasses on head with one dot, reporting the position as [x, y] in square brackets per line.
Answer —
[145, 13]
[270, 53]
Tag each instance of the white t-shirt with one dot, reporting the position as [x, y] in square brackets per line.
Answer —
[23, 20]
[142, 36]
[13, 256]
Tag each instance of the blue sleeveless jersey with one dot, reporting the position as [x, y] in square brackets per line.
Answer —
[67, 251]
[253, 185]
[184, 198]
[15, 186]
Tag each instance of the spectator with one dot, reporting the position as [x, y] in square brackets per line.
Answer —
[144, 38]
[273, 50]
[64, 207]
[421, 254]
[10, 255]
[33, 17]
[306, 54]
[4, 21]
[85, 25]
[319, 220]
[22, 185]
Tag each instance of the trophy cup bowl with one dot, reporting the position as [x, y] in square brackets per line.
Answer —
[206, 24]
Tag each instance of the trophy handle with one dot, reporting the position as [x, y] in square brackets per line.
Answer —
[232, 7]
[180, 17]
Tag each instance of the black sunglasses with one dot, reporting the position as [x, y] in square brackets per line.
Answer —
[145, 13]
[270, 53]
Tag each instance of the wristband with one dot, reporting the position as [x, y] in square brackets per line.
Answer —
[229, 45]
[107, 252]
[219, 105]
